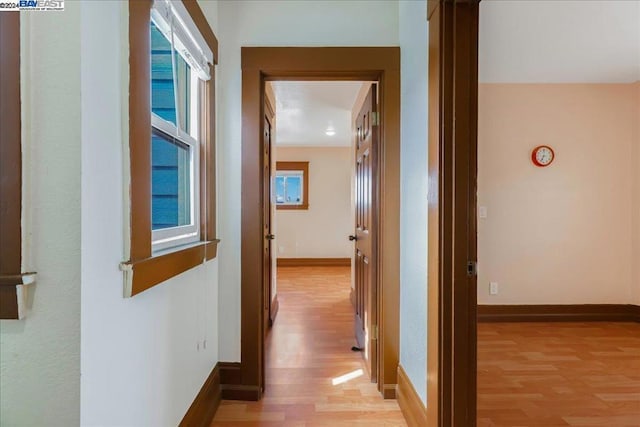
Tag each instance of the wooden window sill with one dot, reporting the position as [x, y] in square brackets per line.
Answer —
[304, 207]
[143, 274]
[13, 295]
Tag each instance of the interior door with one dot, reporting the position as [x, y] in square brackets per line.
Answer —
[366, 329]
[268, 236]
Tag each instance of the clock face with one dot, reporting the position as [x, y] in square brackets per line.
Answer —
[542, 156]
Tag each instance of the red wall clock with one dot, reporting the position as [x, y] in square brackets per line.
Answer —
[542, 155]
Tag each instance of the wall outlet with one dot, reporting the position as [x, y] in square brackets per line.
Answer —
[482, 211]
[493, 288]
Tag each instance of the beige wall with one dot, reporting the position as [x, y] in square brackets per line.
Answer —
[562, 234]
[636, 200]
[321, 231]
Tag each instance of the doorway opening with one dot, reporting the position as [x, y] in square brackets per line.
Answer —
[320, 223]
[263, 65]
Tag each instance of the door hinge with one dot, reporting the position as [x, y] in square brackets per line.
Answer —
[375, 118]
[374, 335]
[472, 269]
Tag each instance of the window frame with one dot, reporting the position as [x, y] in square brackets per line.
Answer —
[171, 237]
[145, 267]
[298, 166]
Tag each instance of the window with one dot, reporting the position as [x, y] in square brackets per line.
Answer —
[291, 189]
[175, 198]
[173, 53]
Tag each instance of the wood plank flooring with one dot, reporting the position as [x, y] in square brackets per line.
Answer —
[529, 374]
[307, 351]
[559, 374]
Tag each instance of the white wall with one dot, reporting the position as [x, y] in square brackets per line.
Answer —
[140, 360]
[413, 194]
[273, 23]
[321, 231]
[560, 234]
[40, 355]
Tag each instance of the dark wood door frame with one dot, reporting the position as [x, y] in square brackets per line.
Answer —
[453, 103]
[260, 64]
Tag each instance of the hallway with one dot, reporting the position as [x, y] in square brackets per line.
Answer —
[309, 357]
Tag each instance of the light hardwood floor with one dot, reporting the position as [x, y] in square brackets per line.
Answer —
[559, 374]
[308, 349]
[529, 374]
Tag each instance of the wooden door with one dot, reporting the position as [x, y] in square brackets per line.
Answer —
[268, 236]
[366, 329]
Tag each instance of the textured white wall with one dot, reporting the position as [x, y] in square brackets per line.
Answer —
[40, 355]
[273, 23]
[322, 230]
[141, 365]
[413, 194]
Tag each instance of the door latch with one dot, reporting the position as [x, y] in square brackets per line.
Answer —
[472, 269]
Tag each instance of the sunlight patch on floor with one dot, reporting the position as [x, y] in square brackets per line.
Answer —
[347, 377]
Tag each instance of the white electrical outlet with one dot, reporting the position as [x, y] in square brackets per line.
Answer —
[493, 288]
[482, 211]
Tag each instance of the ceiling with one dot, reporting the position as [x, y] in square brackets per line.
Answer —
[305, 110]
[559, 41]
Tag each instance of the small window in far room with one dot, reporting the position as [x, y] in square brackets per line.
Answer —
[291, 186]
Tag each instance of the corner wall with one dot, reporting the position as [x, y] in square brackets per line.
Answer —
[413, 194]
[560, 234]
[40, 355]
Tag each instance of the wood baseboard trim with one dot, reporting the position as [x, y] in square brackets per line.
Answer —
[411, 405]
[389, 391]
[314, 262]
[559, 313]
[206, 403]
[230, 373]
[231, 383]
[247, 393]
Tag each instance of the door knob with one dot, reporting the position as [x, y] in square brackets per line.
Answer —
[270, 236]
[353, 238]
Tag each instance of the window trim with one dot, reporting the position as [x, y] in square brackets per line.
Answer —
[12, 279]
[145, 269]
[296, 166]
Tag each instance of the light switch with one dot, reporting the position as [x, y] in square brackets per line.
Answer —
[482, 211]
